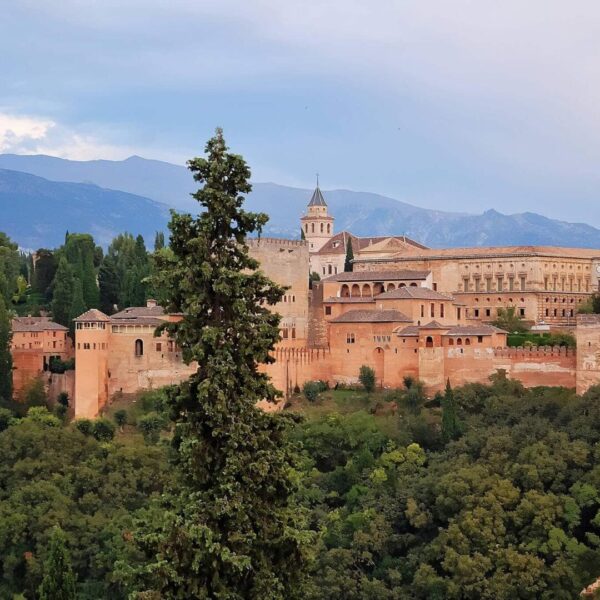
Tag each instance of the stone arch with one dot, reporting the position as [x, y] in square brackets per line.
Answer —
[402, 285]
[366, 290]
[429, 342]
[390, 287]
[413, 284]
[378, 289]
[355, 290]
[344, 291]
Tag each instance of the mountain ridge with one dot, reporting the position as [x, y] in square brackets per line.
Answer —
[169, 185]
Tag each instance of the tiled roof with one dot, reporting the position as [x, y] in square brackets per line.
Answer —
[350, 299]
[399, 275]
[419, 293]
[36, 324]
[434, 325]
[134, 312]
[485, 253]
[338, 242]
[317, 198]
[93, 315]
[474, 330]
[410, 331]
[372, 316]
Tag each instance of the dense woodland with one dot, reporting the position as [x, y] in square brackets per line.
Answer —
[508, 509]
[482, 492]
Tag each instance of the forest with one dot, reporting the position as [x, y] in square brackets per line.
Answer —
[395, 509]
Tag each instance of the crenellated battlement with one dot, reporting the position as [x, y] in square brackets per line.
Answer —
[269, 241]
[534, 352]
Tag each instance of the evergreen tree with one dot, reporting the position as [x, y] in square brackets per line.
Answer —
[80, 252]
[108, 282]
[348, 266]
[78, 306]
[451, 427]
[62, 298]
[43, 272]
[59, 581]
[159, 241]
[5, 356]
[230, 528]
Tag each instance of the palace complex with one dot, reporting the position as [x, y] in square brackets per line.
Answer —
[404, 310]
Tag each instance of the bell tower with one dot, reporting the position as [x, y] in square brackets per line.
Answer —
[317, 224]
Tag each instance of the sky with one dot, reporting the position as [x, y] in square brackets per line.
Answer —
[465, 105]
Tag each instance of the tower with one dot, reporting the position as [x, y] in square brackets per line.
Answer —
[317, 224]
[91, 357]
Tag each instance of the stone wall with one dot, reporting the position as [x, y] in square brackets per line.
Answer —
[588, 352]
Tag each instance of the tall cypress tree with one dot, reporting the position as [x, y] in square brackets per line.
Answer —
[62, 298]
[451, 426]
[348, 266]
[230, 528]
[108, 282]
[159, 241]
[78, 306]
[5, 356]
[59, 581]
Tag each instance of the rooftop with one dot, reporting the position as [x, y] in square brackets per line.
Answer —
[317, 198]
[35, 324]
[372, 316]
[418, 293]
[396, 275]
[338, 242]
[93, 315]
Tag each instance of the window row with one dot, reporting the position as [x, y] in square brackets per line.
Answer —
[432, 311]
[496, 284]
[312, 228]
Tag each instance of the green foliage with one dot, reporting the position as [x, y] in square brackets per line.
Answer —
[151, 425]
[103, 430]
[541, 339]
[85, 426]
[240, 537]
[57, 365]
[81, 254]
[120, 418]
[509, 320]
[6, 418]
[62, 298]
[55, 476]
[41, 415]
[43, 273]
[159, 241]
[311, 390]
[78, 306]
[591, 305]
[58, 582]
[366, 376]
[10, 268]
[451, 426]
[34, 393]
[108, 282]
[348, 266]
[5, 356]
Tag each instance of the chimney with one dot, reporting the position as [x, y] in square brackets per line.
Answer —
[151, 303]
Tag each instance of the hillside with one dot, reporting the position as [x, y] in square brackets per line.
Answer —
[149, 183]
[37, 212]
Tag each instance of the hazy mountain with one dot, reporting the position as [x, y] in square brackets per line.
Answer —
[36, 212]
[361, 212]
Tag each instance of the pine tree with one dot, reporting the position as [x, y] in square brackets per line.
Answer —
[348, 266]
[78, 306]
[159, 241]
[108, 282]
[62, 298]
[231, 529]
[5, 356]
[451, 427]
[59, 581]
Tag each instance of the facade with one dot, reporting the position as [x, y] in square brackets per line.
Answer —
[35, 341]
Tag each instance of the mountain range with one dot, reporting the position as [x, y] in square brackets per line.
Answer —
[43, 196]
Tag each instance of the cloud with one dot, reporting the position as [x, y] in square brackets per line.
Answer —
[38, 135]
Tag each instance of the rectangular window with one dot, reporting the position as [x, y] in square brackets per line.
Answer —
[488, 284]
[441, 310]
[466, 284]
[458, 314]
[522, 278]
[158, 346]
[349, 338]
[488, 312]
[422, 310]
[479, 339]
[328, 310]
[500, 284]
[511, 284]
[432, 309]
[435, 287]
[522, 312]
[476, 311]
[284, 333]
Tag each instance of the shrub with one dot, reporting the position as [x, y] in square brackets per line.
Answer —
[41, 415]
[56, 365]
[6, 418]
[120, 418]
[85, 426]
[311, 390]
[61, 411]
[63, 399]
[150, 425]
[103, 430]
[366, 376]
[297, 389]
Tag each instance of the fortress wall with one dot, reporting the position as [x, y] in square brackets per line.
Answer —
[588, 352]
[62, 382]
[27, 364]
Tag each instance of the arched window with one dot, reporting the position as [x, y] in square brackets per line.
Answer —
[322, 228]
[355, 290]
[345, 291]
[413, 284]
[328, 227]
[366, 290]
[391, 287]
[459, 342]
[429, 342]
[312, 227]
[139, 348]
[329, 269]
[450, 342]
[306, 228]
[468, 342]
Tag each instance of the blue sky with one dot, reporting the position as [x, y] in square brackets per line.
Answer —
[466, 106]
